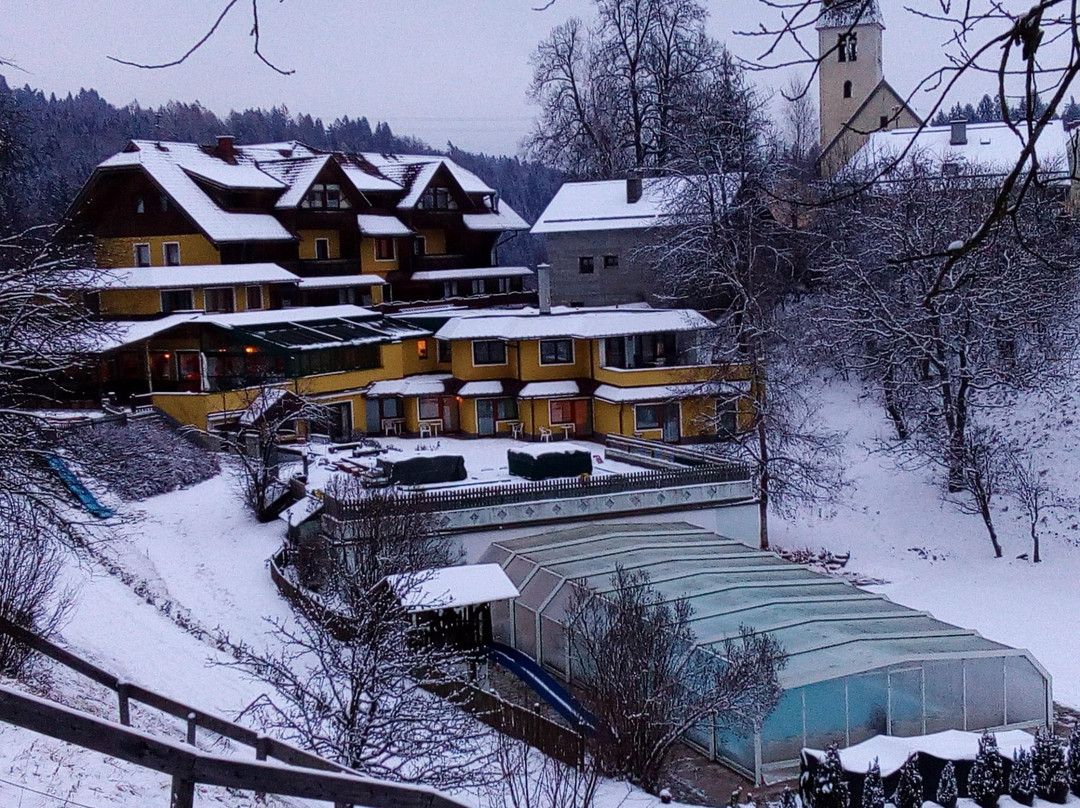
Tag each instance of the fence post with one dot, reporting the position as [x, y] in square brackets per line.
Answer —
[191, 724]
[262, 751]
[124, 700]
[183, 794]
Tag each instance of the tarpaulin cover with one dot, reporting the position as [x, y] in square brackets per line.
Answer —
[544, 466]
[425, 470]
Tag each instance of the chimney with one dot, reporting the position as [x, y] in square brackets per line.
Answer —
[543, 287]
[958, 136]
[225, 148]
[633, 189]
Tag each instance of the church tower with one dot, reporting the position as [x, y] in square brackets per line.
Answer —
[849, 56]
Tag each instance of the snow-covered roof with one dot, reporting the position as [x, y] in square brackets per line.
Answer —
[582, 323]
[991, 148]
[375, 225]
[561, 389]
[661, 392]
[893, 752]
[298, 174]
[340, 281]
[263, 402]
[182, 277]
[297, 315]
[603, 205]
[172, 166]
[414, 172]
[470, 274]
[433, 384]
[300, 512]
[125, 332]
[487, 388]
[452, 587]
[506, 219]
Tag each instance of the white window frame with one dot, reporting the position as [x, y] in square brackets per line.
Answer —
[660, 425]
[506, 354]
[393, 248]
[135, 253]
[325, 241]
[163, 292]
[210, 289]
[540, 352]
[165, 253]
[247, 298]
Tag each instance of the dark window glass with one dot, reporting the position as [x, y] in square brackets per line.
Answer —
[445, 353]
[648, 416]
[611, 262]
[322, 249]
[585, 265]
[219, 299]
[384, 249]
[489, 352]
[142, 255]
[177, 300]
[254, 298]
[172, 254]
[556, 352]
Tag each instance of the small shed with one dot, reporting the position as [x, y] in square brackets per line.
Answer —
[454, 603]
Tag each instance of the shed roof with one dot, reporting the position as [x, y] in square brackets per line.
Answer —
[452, 587]
[828, 627]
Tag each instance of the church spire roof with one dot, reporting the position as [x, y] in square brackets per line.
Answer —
[848, 13]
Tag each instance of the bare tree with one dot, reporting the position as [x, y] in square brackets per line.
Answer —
[528, 779]
[31, 595]
[1029, 484]
[983, 476]
[943, 337]
[357, 688]
[647, 684]
[612, 94]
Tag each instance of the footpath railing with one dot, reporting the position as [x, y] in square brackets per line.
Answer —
[308, 776]
[563, 488]
[520, 723]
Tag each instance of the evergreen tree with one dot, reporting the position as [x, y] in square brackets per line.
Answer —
[1048, 760]
[830, 787]
[1022, 778]
[1074, 762]
[909, 793]
[986, 780]
[947, 791]
[873, 795]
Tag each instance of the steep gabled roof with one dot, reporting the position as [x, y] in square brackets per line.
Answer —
[882, 87]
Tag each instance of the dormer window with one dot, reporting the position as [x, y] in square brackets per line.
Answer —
[437, 199]
[847, 47]
[140, 205]
[325, 196]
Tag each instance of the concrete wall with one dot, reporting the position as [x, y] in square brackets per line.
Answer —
[627, 284]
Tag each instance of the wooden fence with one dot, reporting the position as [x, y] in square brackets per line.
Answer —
[564, 488]
[309, 775]
[549, 737]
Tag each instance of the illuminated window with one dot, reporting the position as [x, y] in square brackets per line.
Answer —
[422, 349]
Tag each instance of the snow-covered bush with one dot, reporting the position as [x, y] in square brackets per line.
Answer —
[830, 788]
[909, 790]
[1074, 762]
[1022, 778]
[1048, 760]
[873, 794]
[986, 780]
[947, 792]
[138, 459]
[787, 799]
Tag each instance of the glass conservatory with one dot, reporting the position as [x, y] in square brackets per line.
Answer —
[858, 664]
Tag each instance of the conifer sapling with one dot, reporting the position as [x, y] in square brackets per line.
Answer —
[830, 787]
[986, 780]
[909, 792]
[873, 795]
[1048, 759]
[1022, 778]
[1074, 762]
[947, 791]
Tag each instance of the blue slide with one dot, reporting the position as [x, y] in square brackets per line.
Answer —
[89, 502]
[528, 671]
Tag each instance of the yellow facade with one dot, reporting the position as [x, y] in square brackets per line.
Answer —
[370, 264]
[195, 249]
[464, 369]
[308, 250]
[533, 370]
[434, 241]
[132, 302]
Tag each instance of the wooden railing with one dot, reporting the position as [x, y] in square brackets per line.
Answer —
[565, 488]
[639, 448]
[313, 777]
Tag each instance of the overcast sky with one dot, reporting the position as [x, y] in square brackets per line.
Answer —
[438, 69]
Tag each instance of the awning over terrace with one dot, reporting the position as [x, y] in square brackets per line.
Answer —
[431, 385]
[563, 389]
[493, 388]
[452, 587]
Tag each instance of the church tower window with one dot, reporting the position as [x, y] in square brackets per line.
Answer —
[847, 47]
[847, 89]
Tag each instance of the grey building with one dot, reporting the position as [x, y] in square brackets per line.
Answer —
[593, 230]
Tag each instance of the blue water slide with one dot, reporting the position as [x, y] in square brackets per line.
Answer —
[81, 492]
[545, 685]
